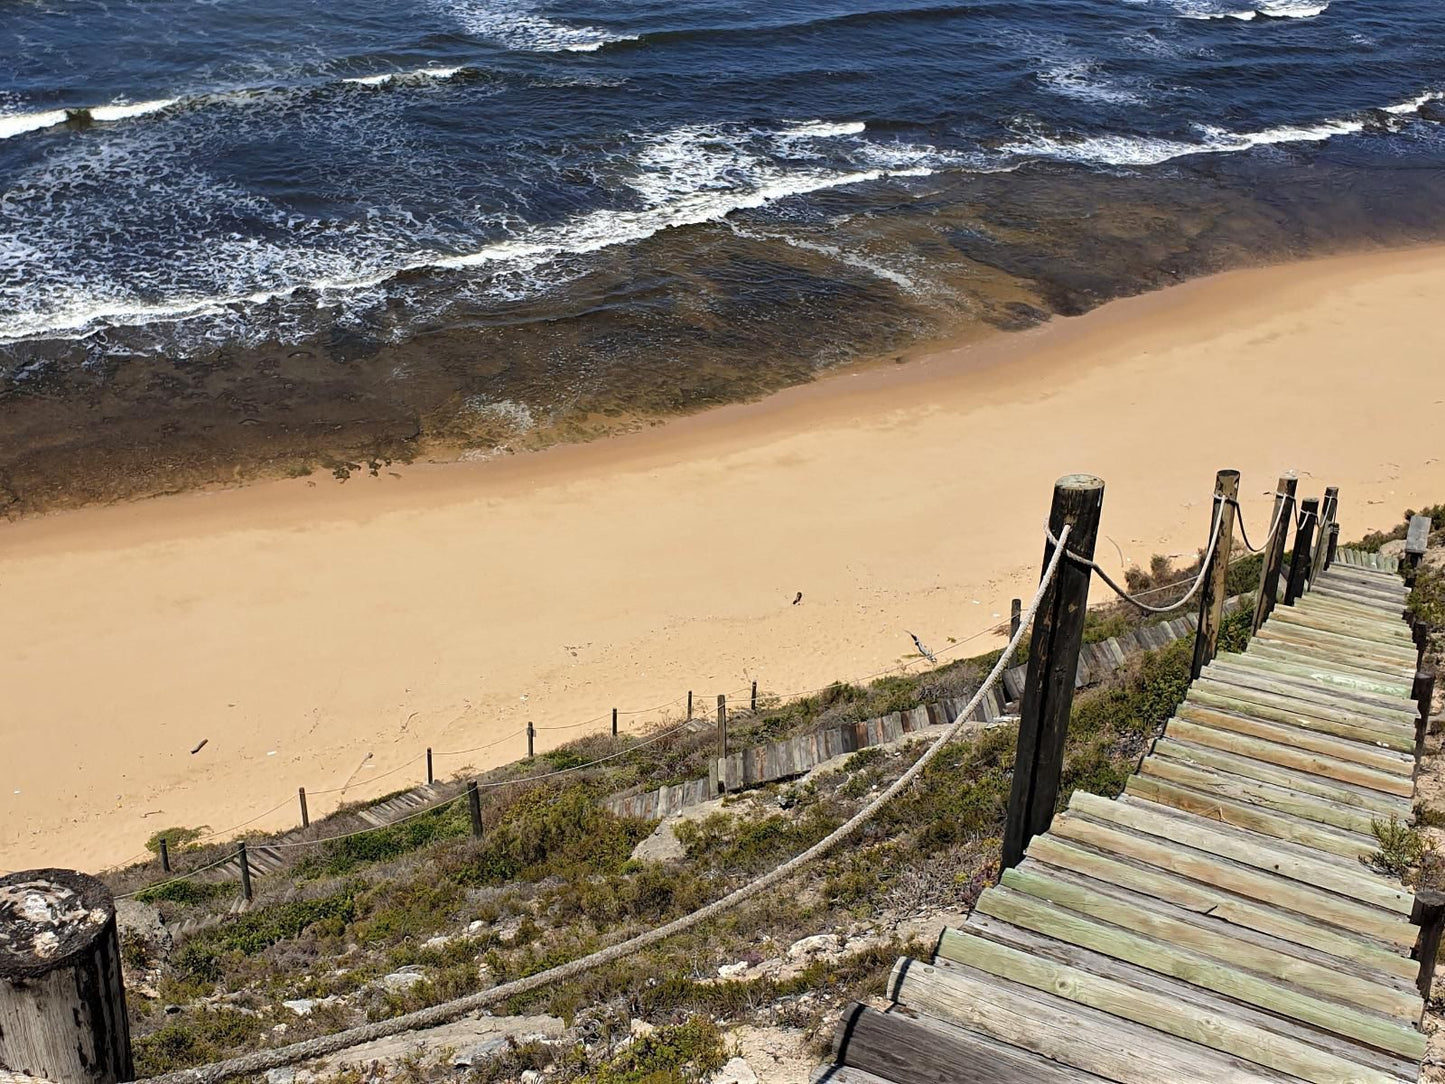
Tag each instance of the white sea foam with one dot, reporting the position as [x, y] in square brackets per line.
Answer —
[1273, 9]
[14, 124]
[517, 25]
[127, 110]
[1412, 104]
[404, 77]
[1118, 150]
[1082, 81]
[818, 129]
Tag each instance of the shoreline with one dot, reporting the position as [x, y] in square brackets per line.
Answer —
[300, 625]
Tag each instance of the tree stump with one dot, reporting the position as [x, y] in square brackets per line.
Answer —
[62, 1003]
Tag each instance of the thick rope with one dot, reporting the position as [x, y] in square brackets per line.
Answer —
[262, 1060]
[1273, 527]
[1133, 600]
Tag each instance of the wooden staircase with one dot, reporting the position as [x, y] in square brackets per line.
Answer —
[1216, 922]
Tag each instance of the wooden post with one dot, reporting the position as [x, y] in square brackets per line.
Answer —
[245, 871]
[62, 999]
[305, 816]
[1211, 597]
[474, 804]
[689, 705]
[1015, 617]
[430, 778]
[1299, 562]
[1423, 693]
[1417, 539]
[531, 740]
[1322, 542]
[722, 725]
[614, 722]
[1048, 697]
[1429, 915]
[165, 856]
[753, 702]
[1333, 546]
[1274, 551]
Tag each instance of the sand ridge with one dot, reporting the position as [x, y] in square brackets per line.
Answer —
[322, 635]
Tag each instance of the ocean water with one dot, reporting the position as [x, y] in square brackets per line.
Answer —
[470, 215]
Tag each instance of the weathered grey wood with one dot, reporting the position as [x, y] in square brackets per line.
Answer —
[1265, 704]
[1295, 641]
[1222, 1033]
[1061, 1024]
[1294, 741]
[1302, 552]
[1369, 803]
[1263, 885]
[1215, 783]
[920, 1050]
[1268, 593]
[1395, 655]
[846, 1074]
[1329, 508]
[1366, 953]
[1329, 670]
[1429, 915]
[1380, 642]
[1058, 631]
[1200, 999]
[1210, 958]
[1302, 676]
[1278, 857]
[1211, 598]
[62, 996]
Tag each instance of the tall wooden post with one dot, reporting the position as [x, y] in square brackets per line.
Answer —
[722, 725]
[531, 740]
[1015, 617]
[614, 722]
[305, 815]
[1048, 697]
[1322, 541]
[1429, 915]
[1424, 693]
[474, 805]
[245, 871]
[165, 856]
[1211, 596]
[62, 1000]
[689, 705]
[1417, 540]
[753, 701]
[1274, 550]
[1333, 546]
[1299, 562]
[430, 777]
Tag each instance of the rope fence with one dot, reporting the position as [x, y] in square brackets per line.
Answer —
[263, 1060]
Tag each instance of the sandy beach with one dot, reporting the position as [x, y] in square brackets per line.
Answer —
[322, 634]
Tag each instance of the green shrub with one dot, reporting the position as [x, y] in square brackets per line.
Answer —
[1402, 848]
[208, 1035]
[177, 839]
[185, 892]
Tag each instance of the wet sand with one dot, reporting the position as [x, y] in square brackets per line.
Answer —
[321, 634]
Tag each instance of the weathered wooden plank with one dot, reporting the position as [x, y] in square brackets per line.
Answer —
[921, 1050]
[1063, 1027]
[1417, 535]
[1363, 653]
[1263, 647]
[1258, 704]
[1095, 963]
[1385, 600]
[1220, 1032]
[1148, 938]
[1316, 673]
[845, 1074]
[1354, 882]
[1323, 702]
[1390, 928]
[1202, 899]
[1337, 625]
[1370, 803]
[1211, 781]
[1380, 760]
[1325, 605]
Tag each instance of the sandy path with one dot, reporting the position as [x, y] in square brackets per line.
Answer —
[301, 626]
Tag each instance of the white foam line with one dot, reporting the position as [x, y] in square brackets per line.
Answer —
[1416, 102]
[126, 110]
[419, 73]
[14, 124]
[818, 129]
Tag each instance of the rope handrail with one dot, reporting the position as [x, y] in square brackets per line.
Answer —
[1204, 564]
[263, 1060]
[1273, 527]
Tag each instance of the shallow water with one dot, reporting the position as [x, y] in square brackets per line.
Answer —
[239, 233]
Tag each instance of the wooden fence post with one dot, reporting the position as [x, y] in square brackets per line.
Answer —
[1333, 546]
[1322, 540]
[722, 725]
[1264, 602]
[1429, 915]
[531, 740]
[1211, 595]
[1299, 561]
[62, 1011]
[245, 871]
[753, 702]
[1417, 540]
[305, 816]
[614, 722]
[689, 705]
[1048, 696]
[430, 778]
[474, 804]
[1015, 617]
[165, 856]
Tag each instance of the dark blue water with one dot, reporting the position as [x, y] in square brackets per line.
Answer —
[235, 150]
